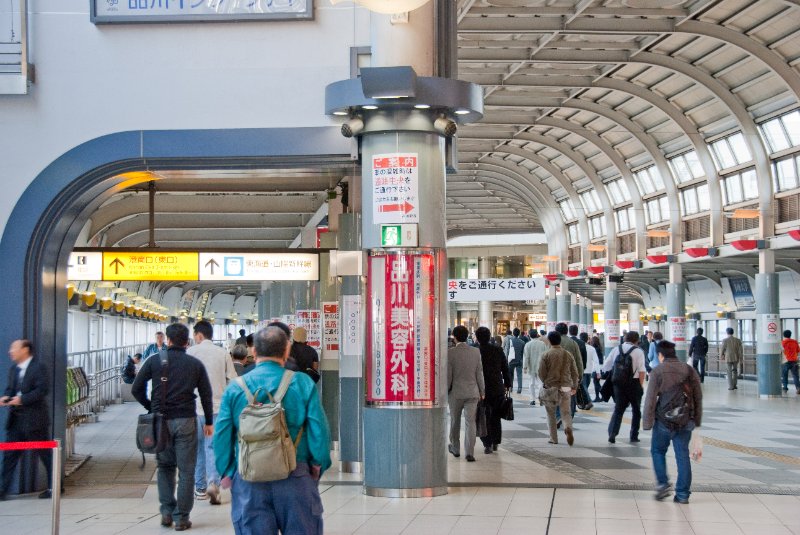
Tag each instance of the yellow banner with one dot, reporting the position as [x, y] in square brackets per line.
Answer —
[150, 266]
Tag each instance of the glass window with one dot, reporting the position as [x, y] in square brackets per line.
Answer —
[664, 202]
[741, 152]
[791, 121]
[722, 155]
[749, 184]
[573, 233]
[680, 169]
[786, 173]
[597, 227]
[649, 180]
[618, 191]
[689, 205]
[657, 210]
[740, 186]
[590, 200]
[703, 198]
[733, 189]
[623, 221]
[730, 151]
[567, 210]
[775, 136]
[694, 164]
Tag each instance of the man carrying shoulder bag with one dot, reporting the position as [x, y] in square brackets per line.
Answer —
[175, 376]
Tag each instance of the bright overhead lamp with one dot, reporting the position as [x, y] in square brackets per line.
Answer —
[422, 106]
[744, 213]
[462, 112]
[658, 233]
[388, 7]
[341, 113]
[370, 107]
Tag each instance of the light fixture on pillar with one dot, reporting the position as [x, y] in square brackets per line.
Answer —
[596, 248]
[550, 258]
[658, 233]
[446, 127]
[743, 213]
[388, 7]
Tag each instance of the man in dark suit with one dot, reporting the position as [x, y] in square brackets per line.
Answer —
[26, 396]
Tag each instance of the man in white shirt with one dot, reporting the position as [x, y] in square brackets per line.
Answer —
[628, 384]
[592, 368]
[220, 370]
[530, 361]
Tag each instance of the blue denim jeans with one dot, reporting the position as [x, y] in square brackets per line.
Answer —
[661, 438]
[205, 471]
[179, 456]
[785, 369]
[291, 505]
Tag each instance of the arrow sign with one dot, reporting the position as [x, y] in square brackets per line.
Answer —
[116, 264]
[211, 264]
[404, 207]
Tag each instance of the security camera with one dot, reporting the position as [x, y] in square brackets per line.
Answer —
[446, 127]
[352, 127]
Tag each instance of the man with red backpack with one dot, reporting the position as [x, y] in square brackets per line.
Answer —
[625, 368]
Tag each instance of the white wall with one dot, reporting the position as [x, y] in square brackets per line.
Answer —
[95, 80]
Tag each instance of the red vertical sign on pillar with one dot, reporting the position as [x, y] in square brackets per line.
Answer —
[401, 367]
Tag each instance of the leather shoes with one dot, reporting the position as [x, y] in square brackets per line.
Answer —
[46, 495]
[183, 525]
[2, 496]
[635, 439]
[570, 436]
[612, 440]
[452, 450]
[494, 447]
[533, 403]
[470, 459]
[166, 520]
[487, 450]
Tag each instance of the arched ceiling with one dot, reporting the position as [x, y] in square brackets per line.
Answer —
[581, 92]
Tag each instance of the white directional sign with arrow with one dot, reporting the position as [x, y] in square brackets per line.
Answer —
[259, 267]
[395, 185]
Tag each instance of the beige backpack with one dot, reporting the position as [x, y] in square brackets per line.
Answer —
[266, 450]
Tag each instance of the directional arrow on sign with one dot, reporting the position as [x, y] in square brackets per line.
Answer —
[211, 264]
[404, 207]
[116, 264]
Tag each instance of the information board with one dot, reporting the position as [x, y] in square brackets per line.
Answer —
[770, 328]
[677, 330]
[311, 321]
[118, 11]
[521, 289]
[330, 330]
[259, 266]
[85, 266]
[395, 188]
[150, 266]
[612, 332]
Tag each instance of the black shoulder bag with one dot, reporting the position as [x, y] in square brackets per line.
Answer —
[152, 434]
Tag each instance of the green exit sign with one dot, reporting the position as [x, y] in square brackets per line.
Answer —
[401, 235]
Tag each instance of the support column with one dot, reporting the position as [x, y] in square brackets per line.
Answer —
[485, 308]
[633, 318]
[328, 358]
[263, 301]
[351, 353]
[676, 311]
[589, 318]
[552, 305]
[768, 327]
[575, 310]
[611, 311]
[564, 306]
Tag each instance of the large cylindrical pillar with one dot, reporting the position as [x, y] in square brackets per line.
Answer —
[351, 353]
[589, 318]
[485, 308]
[633, 318]
[575, 311]
[768, 335]
[552, 306]
[676, 311]
[564, 304]
[611, 313]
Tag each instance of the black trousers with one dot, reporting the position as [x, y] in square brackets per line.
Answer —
[493, 425]
[11, 458]
[630, 394]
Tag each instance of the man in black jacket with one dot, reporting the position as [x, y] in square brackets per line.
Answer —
[26, 396]
[698, 349]
[516, 344]
[585, 401]
[183, 374]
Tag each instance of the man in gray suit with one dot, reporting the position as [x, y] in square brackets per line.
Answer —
[464, 388]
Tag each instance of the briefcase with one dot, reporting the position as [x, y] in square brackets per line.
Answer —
[507, 409]
[152, 434]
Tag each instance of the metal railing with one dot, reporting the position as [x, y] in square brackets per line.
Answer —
[102, 367]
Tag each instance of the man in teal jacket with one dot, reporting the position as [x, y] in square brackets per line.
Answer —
[291, 505]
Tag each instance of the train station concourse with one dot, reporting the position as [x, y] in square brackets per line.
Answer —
[381, 176]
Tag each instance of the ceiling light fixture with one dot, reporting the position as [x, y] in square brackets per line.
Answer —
[370, 107]
[744, 213]
[422, 106]
[462, 112]
[658, 233]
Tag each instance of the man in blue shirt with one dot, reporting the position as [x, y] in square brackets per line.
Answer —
[291, 505]
[156, 347]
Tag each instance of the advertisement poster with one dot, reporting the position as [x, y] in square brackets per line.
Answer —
[742, 293]
[612, 332]
[330, 330]
[401, 360]
[677, 330]
[395, 184]
[311, 321]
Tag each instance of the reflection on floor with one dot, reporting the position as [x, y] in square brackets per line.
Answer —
[747, 482]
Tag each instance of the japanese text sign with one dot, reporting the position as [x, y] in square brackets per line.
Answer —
[150, 266]
[311, 321]
[104, 11]
[259, 266]
[395, 188]
[677, 330]
[330, 329]
[495, 289]
[612, 331]
[401, 339]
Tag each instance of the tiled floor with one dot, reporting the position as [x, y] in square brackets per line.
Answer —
[748, 482]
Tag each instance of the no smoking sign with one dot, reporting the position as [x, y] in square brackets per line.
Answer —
[770, 328]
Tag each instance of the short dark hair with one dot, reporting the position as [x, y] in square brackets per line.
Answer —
[239, 352]
[786, 334]
[204, 327]
[516, 331]
[729, 330]
[25, 343]
[658, 335]
[632, 337]
[282, 326]
[178, 334]
[241, 332]
[699, 331]
[533, 333]
[137, 356]
[483, 335]
[160, 332]
[460, 333]
[271, 342]
[584, 337]
[249, 340]
[542, 332]
[554, 338]
[573, 330]
[667, 349]
[561, 328]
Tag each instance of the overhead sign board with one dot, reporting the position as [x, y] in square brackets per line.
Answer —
[259, 267]
[150, 266]
[395, 188]
[117, 11]
[85, 266]
[521, 289]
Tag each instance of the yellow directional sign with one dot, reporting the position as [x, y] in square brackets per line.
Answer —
[150, 266]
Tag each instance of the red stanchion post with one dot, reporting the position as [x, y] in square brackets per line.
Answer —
[56, 477]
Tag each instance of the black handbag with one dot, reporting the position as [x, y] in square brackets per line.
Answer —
[507, 409]
[152, 433]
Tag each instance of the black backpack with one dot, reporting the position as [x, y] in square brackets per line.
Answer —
[675, 407]
[622, 371]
